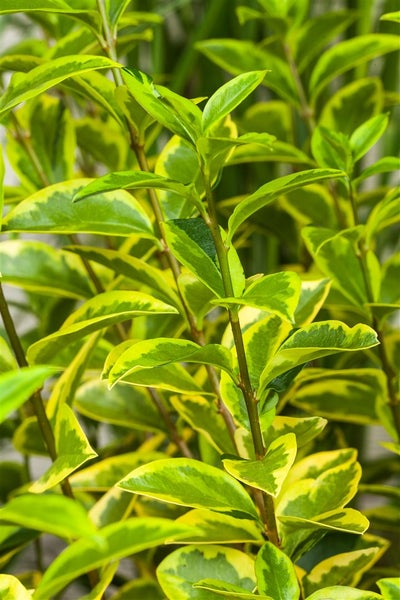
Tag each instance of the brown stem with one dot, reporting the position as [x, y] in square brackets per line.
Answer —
[36, 398]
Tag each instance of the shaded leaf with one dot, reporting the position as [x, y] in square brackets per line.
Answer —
[38, 267]
[271, 190]
[348, 54]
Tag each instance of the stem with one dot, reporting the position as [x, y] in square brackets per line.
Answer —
[393, 398]
[108, 45]
[174, 434]
[264, 502]
[26, 144]
[36, 398]
[306, 111]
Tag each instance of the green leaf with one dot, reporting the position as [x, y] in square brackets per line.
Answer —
[2, 174]
[348, 54]
[192, 255]
[312, 297]
[72, 449]
[217, 528]
[171, 376]
[186, 566]
[121, 406]
[227, 590]
[336, 257]
[163, 351]
[131, 180]
[353, 104]
[300, 535]
[183, 118]
[339, 592]
[68, 518]
[325, 492]
[178, 161]
[315, 341]
[104, 474]
[53, 6]
[384, 214]
[237, 56]
[382, 165]
[24, 86]
[367, 134]
[53, 136]
[316, 32]
[305, 429]
[111, 543]
[17, 386]
[331, 149]
[346, 568]
[328, 393]
[134, 268]
[188, 482]
[278, 293]
[392, 16]
[276, 575]
[98, 313]
[204, 416]
[11, 588]
[389, 586]
[269, 191]
[269, 473]
[38, 267]
[229, 96]
[7, 358]
[52, 210]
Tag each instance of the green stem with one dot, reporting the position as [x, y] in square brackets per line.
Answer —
[173, 432]
[108, 43]
[393, 397]
[138, 149]
[264, 502]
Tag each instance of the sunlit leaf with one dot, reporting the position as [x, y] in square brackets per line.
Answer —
[188, 482]
[17, 386]
[51, 210]
[24, 86]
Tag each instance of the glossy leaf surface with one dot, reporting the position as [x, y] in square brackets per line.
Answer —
[28, 85]
[269, 191]
[110, 543]
[17, 386]
[97, 313]
[51, 210]
[188, 482]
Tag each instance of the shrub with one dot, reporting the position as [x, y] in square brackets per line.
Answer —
[208, 328]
